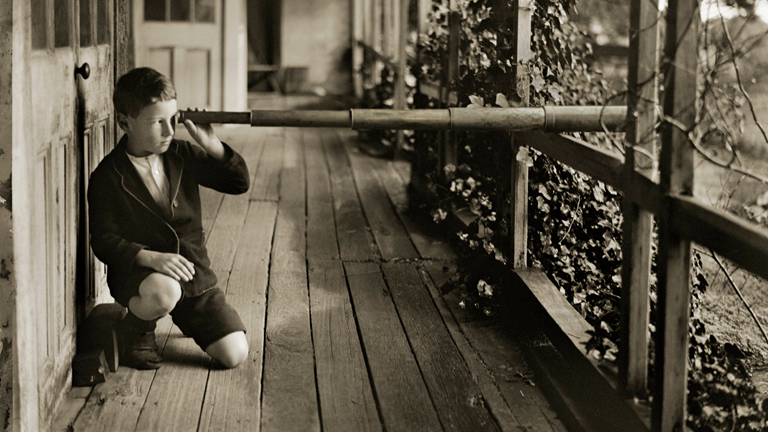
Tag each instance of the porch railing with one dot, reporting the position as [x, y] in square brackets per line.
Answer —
[681, 218]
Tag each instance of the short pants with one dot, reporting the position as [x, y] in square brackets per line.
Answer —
[205, 318]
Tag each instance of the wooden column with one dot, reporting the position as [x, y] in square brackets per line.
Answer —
[449, 151]
[387, 36]
[638, 223]
[682, 28]
[402, 66]
[376, 22]
[358, 35]
[518, 212]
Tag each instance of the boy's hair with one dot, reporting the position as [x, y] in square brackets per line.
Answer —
[139, 88]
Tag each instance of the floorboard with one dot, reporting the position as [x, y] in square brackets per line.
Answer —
[321, 227]
[266, 182]
[504, 360]
[233, 397]
[391, 237]
[115, 404]
[457, 398]
[354, 236]
[289, 401]
[403, 397]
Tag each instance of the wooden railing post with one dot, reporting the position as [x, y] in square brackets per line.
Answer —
[402, 68]
[671, 360]
[377, 38]
[638, 223]
[449, 150]
[358, 35]
[518, 212]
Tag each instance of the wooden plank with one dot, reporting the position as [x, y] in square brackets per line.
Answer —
[401, 32]
[496, 362]
[582, 156]
[674, 257]
[115, 405]
[518, 211]
[267, 176]
[428, 246]
[233, 396]
[403, 397]
[346, 398]
[70, 409]
[638, 222]
[289, 399]
[390, 235]
[457, 399]
[354, 237]
[730, 236]
[321, 228]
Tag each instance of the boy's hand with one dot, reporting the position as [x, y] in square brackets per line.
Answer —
[173, 265]
[204, 135]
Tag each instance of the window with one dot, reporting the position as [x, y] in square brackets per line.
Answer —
[39, 24]
[103, 23]
[61, 23]
[86, 38]
[200, 11]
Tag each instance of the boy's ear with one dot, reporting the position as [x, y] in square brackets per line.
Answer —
[122, 120]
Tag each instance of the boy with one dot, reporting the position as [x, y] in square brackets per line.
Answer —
[145, 223]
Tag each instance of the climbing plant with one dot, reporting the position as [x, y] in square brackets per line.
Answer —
[574, 221]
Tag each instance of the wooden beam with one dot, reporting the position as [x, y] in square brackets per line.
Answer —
[358, 34]
[449, 145]
[728, 235]
[402, 67]
[518, 211]
[580, 155]
[638, 222]
[674, 260]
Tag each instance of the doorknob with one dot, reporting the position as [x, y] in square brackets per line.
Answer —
[84, 71]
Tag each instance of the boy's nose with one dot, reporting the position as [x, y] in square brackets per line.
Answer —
[167, 129]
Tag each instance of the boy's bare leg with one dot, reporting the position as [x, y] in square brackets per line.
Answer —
[158, 295]
[229, 351]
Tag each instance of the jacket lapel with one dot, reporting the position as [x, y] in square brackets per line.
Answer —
[174, 167]
[131, 180]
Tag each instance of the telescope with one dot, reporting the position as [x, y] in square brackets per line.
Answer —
[546, 118]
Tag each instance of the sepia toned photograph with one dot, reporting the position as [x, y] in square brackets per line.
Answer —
[384, 215]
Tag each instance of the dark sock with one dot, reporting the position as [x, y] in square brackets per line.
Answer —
[137, 339]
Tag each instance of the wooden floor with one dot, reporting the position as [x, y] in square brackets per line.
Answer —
[347, 327]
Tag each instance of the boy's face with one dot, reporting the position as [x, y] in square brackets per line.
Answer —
[152, 130]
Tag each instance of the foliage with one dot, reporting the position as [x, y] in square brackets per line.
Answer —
[574, 221]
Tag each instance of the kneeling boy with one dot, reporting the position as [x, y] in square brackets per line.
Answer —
[145, 223]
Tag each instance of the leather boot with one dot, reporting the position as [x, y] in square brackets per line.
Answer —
[138, 348]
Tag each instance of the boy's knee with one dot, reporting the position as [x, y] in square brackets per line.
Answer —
[161, 292]
[230, 351]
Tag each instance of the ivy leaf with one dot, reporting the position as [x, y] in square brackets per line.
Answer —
[476, 102]
[538, 83]
[502, 101]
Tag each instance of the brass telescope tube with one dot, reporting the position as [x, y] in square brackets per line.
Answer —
[547, 119]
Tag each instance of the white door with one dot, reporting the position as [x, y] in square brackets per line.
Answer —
[182, 39]
[72, 123]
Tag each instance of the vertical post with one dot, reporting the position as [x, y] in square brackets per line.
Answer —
[449, 145]
[358, 18]
[638, 223]
[682, 27]
[387, 36]
[402, 67]
[377, 36]
[518, 213]
[423, 7]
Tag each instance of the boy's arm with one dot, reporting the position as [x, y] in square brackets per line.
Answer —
[215, 164]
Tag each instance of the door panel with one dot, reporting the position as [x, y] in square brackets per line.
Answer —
[62, 107]
[182, 40]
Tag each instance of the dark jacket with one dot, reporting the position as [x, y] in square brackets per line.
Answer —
[124, 218]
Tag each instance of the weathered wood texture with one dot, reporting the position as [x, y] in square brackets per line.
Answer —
[428, 246]
[403, 397]
[289, 400]
[390, 235]
[233, 397]
[496, 362]
[355, 240]
[457, 399]
[321, 227]
[638, 222]
[674, 259]
[266, 183]
[115, 404]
